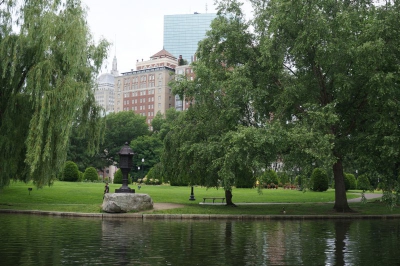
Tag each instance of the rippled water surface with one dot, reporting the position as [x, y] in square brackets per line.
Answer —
[42, 240]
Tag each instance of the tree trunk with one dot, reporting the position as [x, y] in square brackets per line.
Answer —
[228, 198]
[341, 204]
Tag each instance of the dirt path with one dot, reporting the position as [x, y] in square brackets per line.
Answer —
[166, 206]
[368, 196]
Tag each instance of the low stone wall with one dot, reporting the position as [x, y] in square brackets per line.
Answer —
[126, 202]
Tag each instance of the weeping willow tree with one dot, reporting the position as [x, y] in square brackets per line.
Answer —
[47, 68]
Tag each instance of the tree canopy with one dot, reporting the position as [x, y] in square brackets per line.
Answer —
[305, 82]
[121, 127]
[47, 68]
[148, 149]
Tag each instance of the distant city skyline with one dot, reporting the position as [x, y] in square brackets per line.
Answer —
[136, 27]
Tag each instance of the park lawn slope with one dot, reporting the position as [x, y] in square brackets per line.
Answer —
[88, 197]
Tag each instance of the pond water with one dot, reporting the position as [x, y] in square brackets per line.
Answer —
[43, 240]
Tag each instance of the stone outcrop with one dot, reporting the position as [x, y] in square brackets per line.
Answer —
[126, 202]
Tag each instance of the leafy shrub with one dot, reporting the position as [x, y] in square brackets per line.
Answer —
[181, 180]
[363, 183]
[70, 172]
[300, 181]
[90, 174]
[283, 177]
[155, 173]
[269, 177]
[319, 180]
[242, 182]
[118, 177]
[350, 181]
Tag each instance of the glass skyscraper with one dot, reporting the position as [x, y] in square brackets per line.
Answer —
[182, 33]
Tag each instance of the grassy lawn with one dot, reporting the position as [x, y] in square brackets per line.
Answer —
[88, 197]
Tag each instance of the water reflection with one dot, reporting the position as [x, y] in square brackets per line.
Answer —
[38, 240]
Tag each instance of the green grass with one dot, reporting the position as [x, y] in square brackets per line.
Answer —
[88, 197]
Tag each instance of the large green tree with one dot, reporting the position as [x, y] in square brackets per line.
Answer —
[335, 67]
[147, 151]
[121, 127]
[78, 153]
[162, 123]
[220, 140]
[47, 68]
[314, 82]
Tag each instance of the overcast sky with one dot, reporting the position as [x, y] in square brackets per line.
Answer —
[135, 27]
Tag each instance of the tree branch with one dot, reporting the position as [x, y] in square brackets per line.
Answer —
[288, 68]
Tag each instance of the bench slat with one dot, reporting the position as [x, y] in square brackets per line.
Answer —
[214, 198]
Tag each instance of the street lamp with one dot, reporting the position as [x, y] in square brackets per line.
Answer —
[356, 174]
[191, 195]
[142, 167]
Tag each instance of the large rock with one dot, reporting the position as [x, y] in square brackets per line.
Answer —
[126, 202]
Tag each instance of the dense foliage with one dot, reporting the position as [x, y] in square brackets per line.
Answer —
[363, 183]
[90, 174]
[319, 180]
[156, 173]
[269, 177]
[147, 151]
[70, 172]
[48, 62]
[350, 181]
[118, 177]
[304, 82]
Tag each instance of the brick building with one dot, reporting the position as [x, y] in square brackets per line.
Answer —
[145, 90]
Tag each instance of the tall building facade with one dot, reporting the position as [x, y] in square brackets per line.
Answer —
[145, 90]
[183, 71]
[104, 91]
[182, 33]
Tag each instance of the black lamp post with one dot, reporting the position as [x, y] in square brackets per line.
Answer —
[125, 163]
[191, 195]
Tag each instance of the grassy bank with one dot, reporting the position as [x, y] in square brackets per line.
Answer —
[87, 197]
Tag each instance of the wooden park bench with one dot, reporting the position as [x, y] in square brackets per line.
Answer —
[213, 199]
